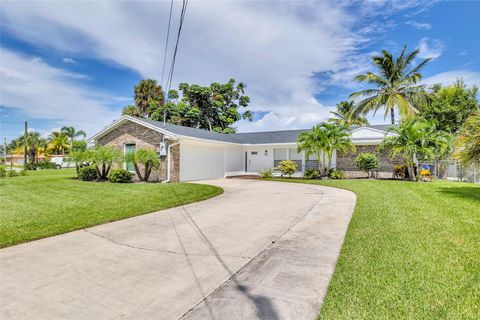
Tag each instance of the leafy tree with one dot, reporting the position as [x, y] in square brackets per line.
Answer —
[395, 85]
[102, 157]
[149, 160]
[416, 139]
[58, 142]
[79, 145]
[347, 115]
[131, 111]
[468, 142]
[451, 105]
[214, 108]
[72, 133]
[367, 161]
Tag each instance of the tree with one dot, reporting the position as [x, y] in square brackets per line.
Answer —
[148, 97]
[102, 157]
[213, 108]
[79, 157]
[58, 142]
[451, 105]
[468, 142]
[149, 160]
[34, 143]
[366, 162]
[325, 138]
[72, 133]
[345, 115]
[416, 139]
[395, 86]
[131, 111]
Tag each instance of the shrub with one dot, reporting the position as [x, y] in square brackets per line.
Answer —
[287, 167]
[88, 173]
[367, 162]
[31, 166]
[45, 165]
[400, 171]
[23, 172]
[336, 174]
[311, 174]
[120, 176]
[12, 173]
[266, 173]
[3, 172]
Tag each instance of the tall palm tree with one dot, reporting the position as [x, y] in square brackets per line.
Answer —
[72, 133]
[395, 85]
[148, 93]
[325, 139]
[33, 141]
[416, 139]
[58, 142]
[347, 115]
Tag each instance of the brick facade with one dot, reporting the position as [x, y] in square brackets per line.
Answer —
[143, 137]
[346, 162]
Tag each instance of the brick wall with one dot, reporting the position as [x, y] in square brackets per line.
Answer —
[346, 162]
[130, 132]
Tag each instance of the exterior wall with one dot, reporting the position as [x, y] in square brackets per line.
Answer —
[201, 160]
[130, 132]
[234, 160]
[346, 162]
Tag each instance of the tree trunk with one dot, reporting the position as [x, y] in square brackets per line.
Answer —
[392, 115]
[209, 124]
[137, 171]
[148, 170]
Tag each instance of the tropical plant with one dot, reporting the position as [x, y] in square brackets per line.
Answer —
[400, 171]
[266, 173]
[58, 142]
[336, 174]
[288, 167]
[34, 144]
[366, 162]
[311, 174]
[3, 172]
[131, 111]
[12, 173]
[120, 176]
[345, 115]
[147, 158]
[451, 106]
[468, 142]
[88, 173]
[102, 157]
[79, 157]
[45, 164]
[395, 86]
[72, 133]
[416, 139]
[148, 97]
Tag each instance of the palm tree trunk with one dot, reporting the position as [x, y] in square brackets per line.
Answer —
[392, 115]
[137, 171]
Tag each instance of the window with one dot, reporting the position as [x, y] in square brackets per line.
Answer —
[254, 153]
[296, 156]
[279, 155]
[129, 148]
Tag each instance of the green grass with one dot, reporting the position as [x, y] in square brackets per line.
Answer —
[50, 202]
[412, 251]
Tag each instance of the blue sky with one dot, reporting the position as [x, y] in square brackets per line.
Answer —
[75, 63]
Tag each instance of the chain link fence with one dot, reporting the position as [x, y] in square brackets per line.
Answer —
[453, 171]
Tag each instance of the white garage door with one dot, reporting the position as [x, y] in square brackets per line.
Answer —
[201, 162]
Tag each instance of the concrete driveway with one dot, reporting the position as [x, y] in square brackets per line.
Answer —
[262, 250]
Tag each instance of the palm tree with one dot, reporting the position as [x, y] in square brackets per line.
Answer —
[148, 94]
[468, 143]
[345, 115]
[416, 139]
[58, 142]
[130, 111]
[71, 133]
[325, 138]
[33, 142]
[395, 86]
[102, 157]
[148, 158]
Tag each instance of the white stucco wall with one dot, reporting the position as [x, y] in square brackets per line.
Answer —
[201, 160]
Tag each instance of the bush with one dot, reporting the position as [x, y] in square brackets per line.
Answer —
[12, 173]
[266, 173]
[336, 174]
[311, 174]
[88, 173]
[367, 162]
[3, 172]
[288, 167]
[45, 165]
[400, 171]
[120, 176]
[23, 172]
[31, 166]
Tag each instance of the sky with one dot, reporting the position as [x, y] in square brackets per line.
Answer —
[75, 63]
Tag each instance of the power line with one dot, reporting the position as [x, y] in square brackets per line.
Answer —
[172, 67]
[166, 43]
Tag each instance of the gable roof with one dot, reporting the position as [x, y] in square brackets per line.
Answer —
[265, 137]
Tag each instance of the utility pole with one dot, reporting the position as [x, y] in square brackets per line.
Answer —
[5, 151]
[25, 146]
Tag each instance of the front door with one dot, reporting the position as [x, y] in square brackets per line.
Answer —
[254, 163]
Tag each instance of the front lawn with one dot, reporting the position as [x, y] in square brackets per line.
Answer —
[412, 251]
[50, 202]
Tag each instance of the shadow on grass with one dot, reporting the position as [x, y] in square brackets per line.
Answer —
[470, 193]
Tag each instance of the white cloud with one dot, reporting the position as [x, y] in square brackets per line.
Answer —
[42, 91]
[68, 60]
[449, 77]
[419, 25]
[430, 48]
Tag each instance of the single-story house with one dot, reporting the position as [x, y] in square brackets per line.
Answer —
[195, 154]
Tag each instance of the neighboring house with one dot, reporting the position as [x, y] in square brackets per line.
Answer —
[195, 154]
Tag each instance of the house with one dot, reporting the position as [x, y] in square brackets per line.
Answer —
[195, 154]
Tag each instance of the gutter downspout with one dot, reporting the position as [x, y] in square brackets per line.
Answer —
[168, 161]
